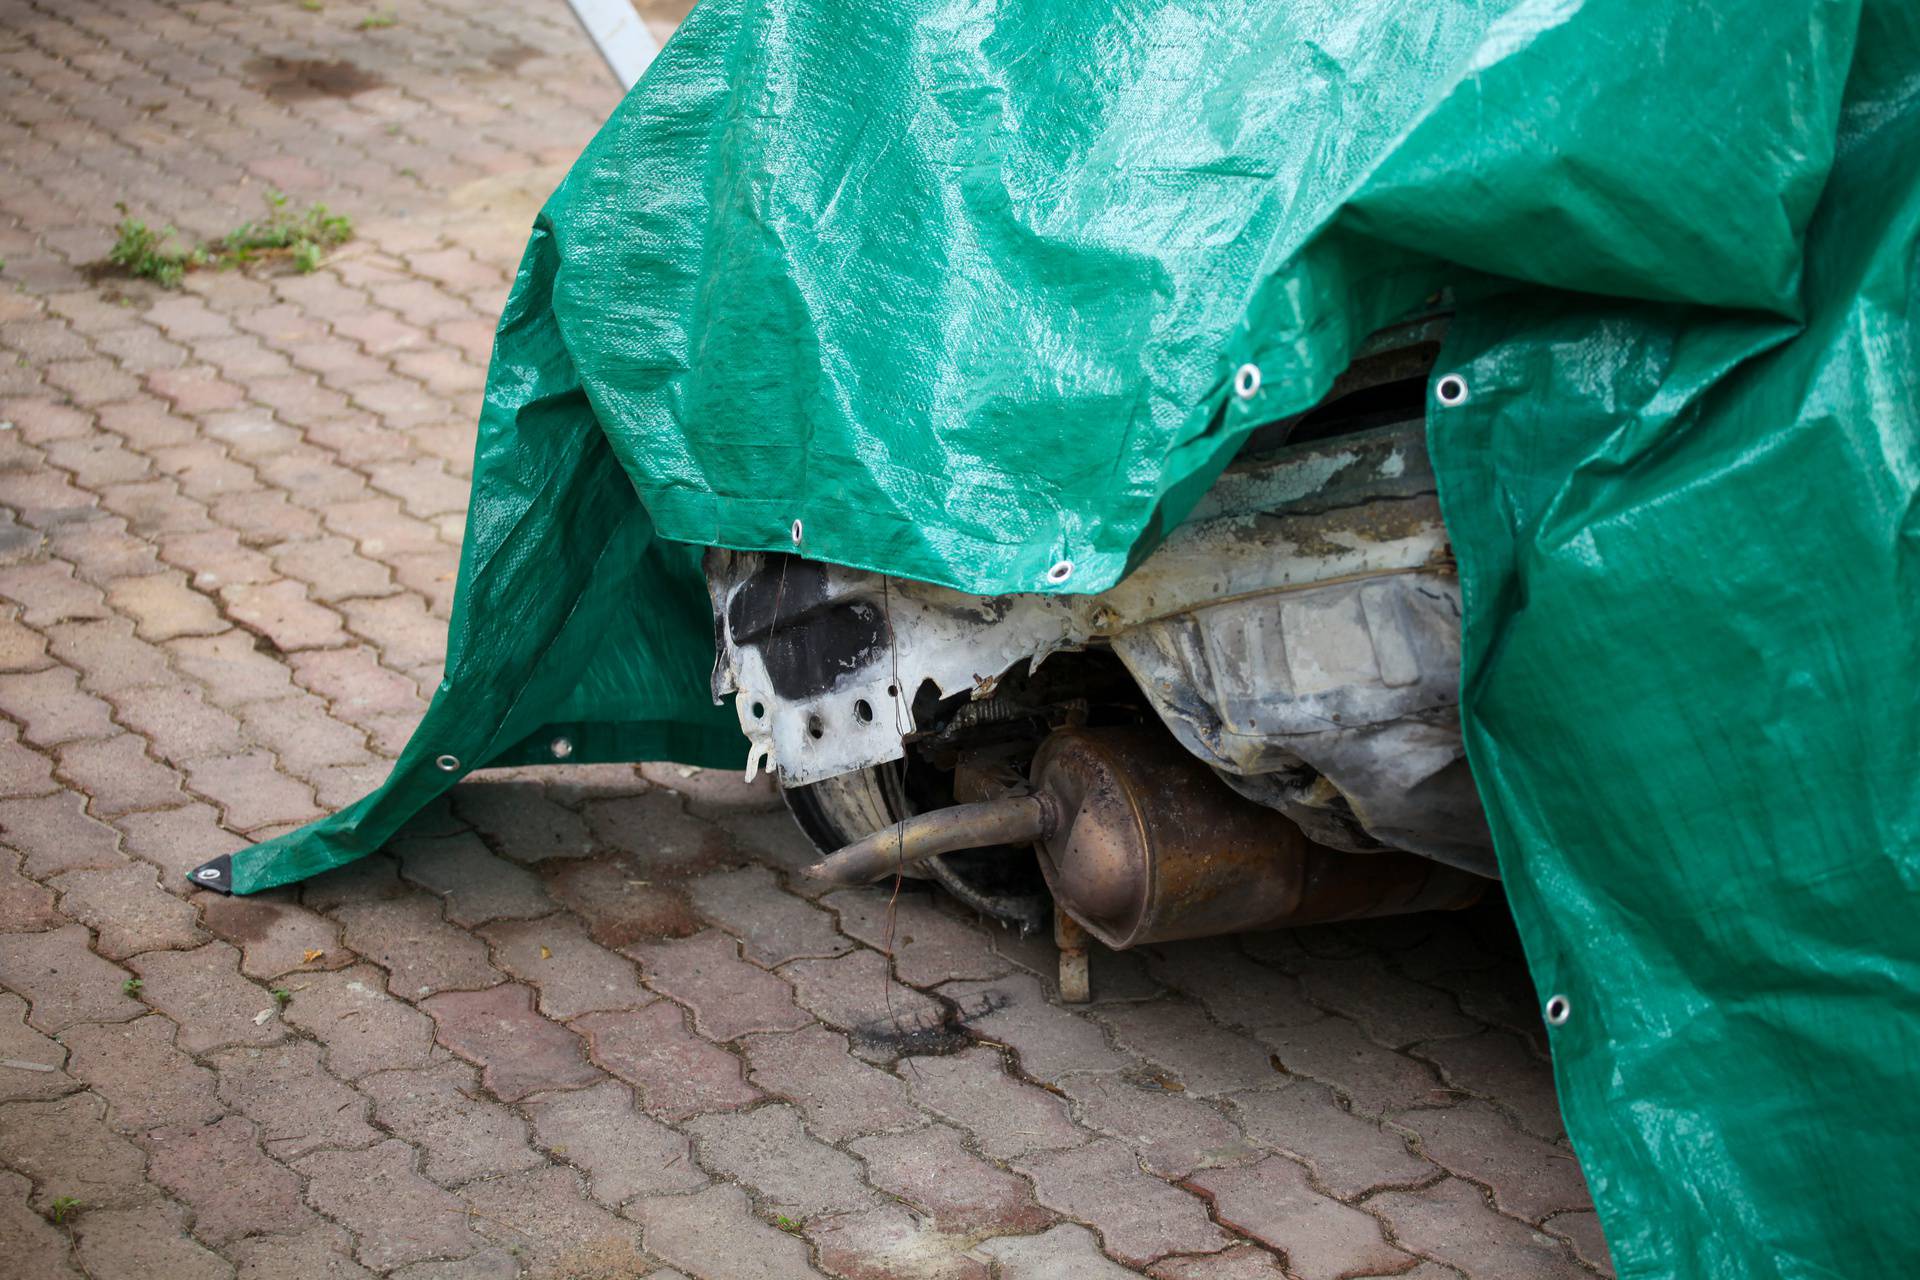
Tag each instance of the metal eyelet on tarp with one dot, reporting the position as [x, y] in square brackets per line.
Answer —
[447, 764]
[215, 874]
[1061, 571]
[1246, 381]
[1451, 390]
[1558, 1010]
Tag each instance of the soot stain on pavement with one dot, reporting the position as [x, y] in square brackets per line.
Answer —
[906, 1037]
[304, 79]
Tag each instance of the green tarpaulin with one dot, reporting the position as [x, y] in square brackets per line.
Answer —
[962, 288]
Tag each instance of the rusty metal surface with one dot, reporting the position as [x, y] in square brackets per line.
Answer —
[826, 659]
[1014, 820]
[1300, 633]
[1151, 847]
[1337, 705]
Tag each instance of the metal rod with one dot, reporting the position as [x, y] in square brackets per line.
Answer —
[1017, 820]
[620, 35]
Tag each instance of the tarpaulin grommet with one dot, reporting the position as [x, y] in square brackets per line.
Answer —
[1558, 1010]
[1451, 390]
[796, 533]
[447, 764]
[1060, 572]
[1246, 381]
[561, 748]
[216, 874]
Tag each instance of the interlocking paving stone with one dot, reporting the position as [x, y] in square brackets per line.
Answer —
[32, 1066]
[67, 1148]
[676, 1073]
[251, 791]
[928, 945]
[656, 828]
[23, 771]
[475, 885]
[145, 1077]
[518, 1052]
[572, 973]
[63, 981]
[854, 993]
[962, 1193]
[1336, 1052]
[1139, 1217]
[619, 905]
[319, 1253]
[299, 1107]
[52, 708]
[544, 1224]
[1066, 1252]
[1050, 1039]
[179, 723]
[1529, 1178]
[889, 1242]
[1580, 1228]
[1171, 1133]
[714, 1234]
[840, 1095]
[1391, 1008]
[396, 1214]
[128, 910]
[728, 996]
[230, 517]
[422, 952]
[1006, 1116]
[276, 936]
[203, 992]
[1241, 1262]
[462, 1134]
[176, 840]
[117, 776]
[1233, 988]
[34, 1245]
[54, 834]
[359, 1026]
[1189, 1048]
[624, 1152]
[527, 824]
[146, 1240]
[220, 1172]
[772, 927]
[1499, 1065]
[1320, 1238]
[1349, 1154]
[1450, 1222]
[26, 906]
[769, 1150]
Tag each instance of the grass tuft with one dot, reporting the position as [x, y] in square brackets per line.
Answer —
[301, 238]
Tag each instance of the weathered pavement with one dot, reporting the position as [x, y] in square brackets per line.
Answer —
[581, 1022]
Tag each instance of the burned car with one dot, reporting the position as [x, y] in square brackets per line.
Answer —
[1258, 726]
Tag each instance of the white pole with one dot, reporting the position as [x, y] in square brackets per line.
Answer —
[617, 31]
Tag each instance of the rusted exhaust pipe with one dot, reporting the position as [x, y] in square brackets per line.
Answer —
[1150, 846]
[1140, 842]
[1017, 820]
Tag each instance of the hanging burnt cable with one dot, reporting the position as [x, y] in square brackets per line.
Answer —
[900, 847]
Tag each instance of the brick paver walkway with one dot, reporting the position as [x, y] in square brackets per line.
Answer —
[582, 1022]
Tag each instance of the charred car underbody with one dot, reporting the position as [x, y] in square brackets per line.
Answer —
[1258, 726]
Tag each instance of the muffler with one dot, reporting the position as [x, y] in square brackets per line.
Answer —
[1140, 842]
[1147, 845]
